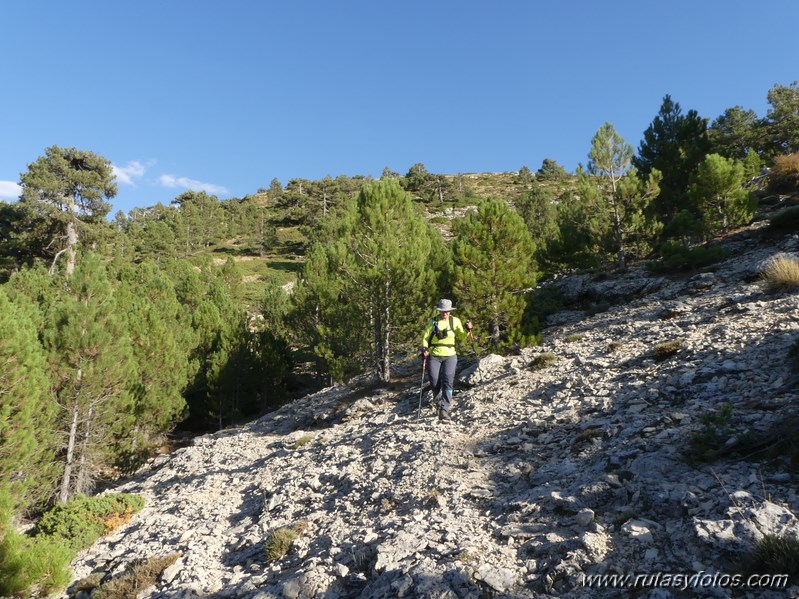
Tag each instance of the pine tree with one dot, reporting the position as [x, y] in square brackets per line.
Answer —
[324, 320]
[674, 144]
[69, 187]
[783, 118]
[540, 214]
[148, 299]
[626, 197]
[28, 462]
[585, 230]
[93, 366]
[493, 254]
[365, 281]
[717, 191]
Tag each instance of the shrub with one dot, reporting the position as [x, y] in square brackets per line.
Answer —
[677, 257]
[786, 219]
[279, 541]
[781, 273]
[304, 440]
[541, 361]
[614, 346]
[27, 562]
[784, 175]
[575, 337]
[83, 520]
[775, 554]
[717, 428]
[138, 577]
[665, 350]
[541, 302]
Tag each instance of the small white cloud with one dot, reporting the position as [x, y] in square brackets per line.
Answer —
[10, 190]
[193, 184]
[126, 174]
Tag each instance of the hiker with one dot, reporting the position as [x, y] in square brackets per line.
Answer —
[438, 342]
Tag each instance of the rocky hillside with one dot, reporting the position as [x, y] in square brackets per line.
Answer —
[639, 440]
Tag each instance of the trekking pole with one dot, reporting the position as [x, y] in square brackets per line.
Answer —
[476, 357]
[421, 389]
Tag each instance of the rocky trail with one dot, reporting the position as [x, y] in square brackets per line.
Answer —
[579, 457]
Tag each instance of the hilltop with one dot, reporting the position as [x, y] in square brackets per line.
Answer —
[650, 437]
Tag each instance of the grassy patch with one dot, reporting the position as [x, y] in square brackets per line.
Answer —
[278, 543]
[614, 346]
[465, 556]
[302, 441]
[138, 577]
[543, 360]
[573, 338]
[781, 273]
[775, 554]
[667, 349]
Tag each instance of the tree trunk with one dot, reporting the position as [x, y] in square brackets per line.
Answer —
[72, 241]
[386, 351]
[65, 479]
[81, 483]
[495, 324]
[619, 237]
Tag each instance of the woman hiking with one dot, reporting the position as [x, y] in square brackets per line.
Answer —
[438, 342]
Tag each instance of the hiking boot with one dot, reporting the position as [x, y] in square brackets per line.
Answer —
[444, 416]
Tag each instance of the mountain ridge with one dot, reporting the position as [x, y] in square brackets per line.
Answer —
[572, 459]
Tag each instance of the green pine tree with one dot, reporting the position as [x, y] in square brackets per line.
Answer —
[28, 461]
[70, 187]
[367, 278]
[717, 193]
[147, 297]
[626, 196]
[92, 361]
[493, 253]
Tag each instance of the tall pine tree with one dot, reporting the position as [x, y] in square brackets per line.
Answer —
[626, 196]
[380, 262]
[28, 466]
[493, 254]
[69, 187]
[92, 362]
[675, 144]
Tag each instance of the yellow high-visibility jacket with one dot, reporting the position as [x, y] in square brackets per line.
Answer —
[442, 348]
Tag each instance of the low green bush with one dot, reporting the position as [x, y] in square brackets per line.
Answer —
[83, 520]
[785, 220]
[677, 257]
[279, 541]
[543, 360]
[717, 428]
[39, 562]
[667, 349]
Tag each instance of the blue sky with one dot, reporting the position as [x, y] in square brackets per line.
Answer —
[226, 96]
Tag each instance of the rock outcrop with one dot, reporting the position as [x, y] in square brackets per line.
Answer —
[550, 471]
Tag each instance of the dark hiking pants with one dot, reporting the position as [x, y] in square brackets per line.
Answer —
[442, 378]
